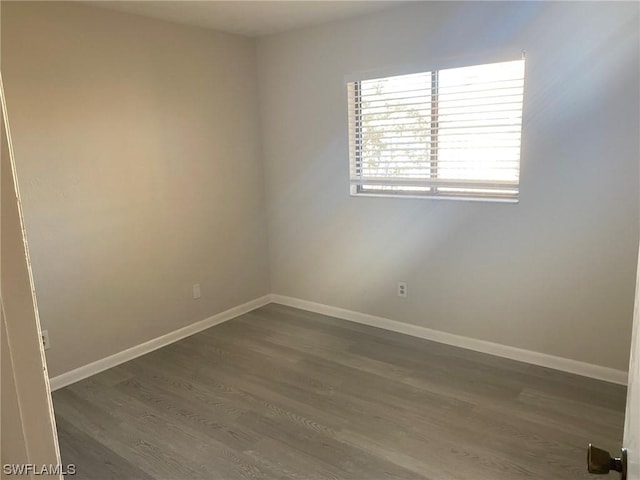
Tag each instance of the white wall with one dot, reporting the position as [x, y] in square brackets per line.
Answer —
[138, 155]
[554, 273]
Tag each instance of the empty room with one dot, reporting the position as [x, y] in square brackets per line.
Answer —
[320, 240]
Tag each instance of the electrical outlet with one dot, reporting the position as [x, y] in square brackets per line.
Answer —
[196, 291]
[45, 340]
[402, 289]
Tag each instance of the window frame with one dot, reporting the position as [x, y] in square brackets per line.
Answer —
[434, 192]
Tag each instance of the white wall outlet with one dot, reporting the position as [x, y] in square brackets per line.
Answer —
[196, 291]
[402, 289]
[45, 340]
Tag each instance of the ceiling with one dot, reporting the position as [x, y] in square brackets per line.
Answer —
[247, 17]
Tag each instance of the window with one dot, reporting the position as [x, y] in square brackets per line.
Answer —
[448, 133]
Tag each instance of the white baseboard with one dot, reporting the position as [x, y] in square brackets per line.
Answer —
[519, 354]
[116, 359]
[542, 359]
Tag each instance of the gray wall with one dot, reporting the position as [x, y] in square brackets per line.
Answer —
[554, 273]
[140, 155]
[137, 150]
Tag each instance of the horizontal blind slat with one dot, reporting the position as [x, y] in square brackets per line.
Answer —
[436, 182]
[425, 98]
[449, 147]
[369, 86]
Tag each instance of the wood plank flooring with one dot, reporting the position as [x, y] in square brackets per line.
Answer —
[287, 394]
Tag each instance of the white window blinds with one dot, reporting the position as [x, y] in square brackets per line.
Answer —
[446, 133]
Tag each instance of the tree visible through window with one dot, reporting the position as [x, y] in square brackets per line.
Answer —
[452, 133]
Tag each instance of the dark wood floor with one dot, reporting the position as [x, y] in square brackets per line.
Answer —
[283, 393]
